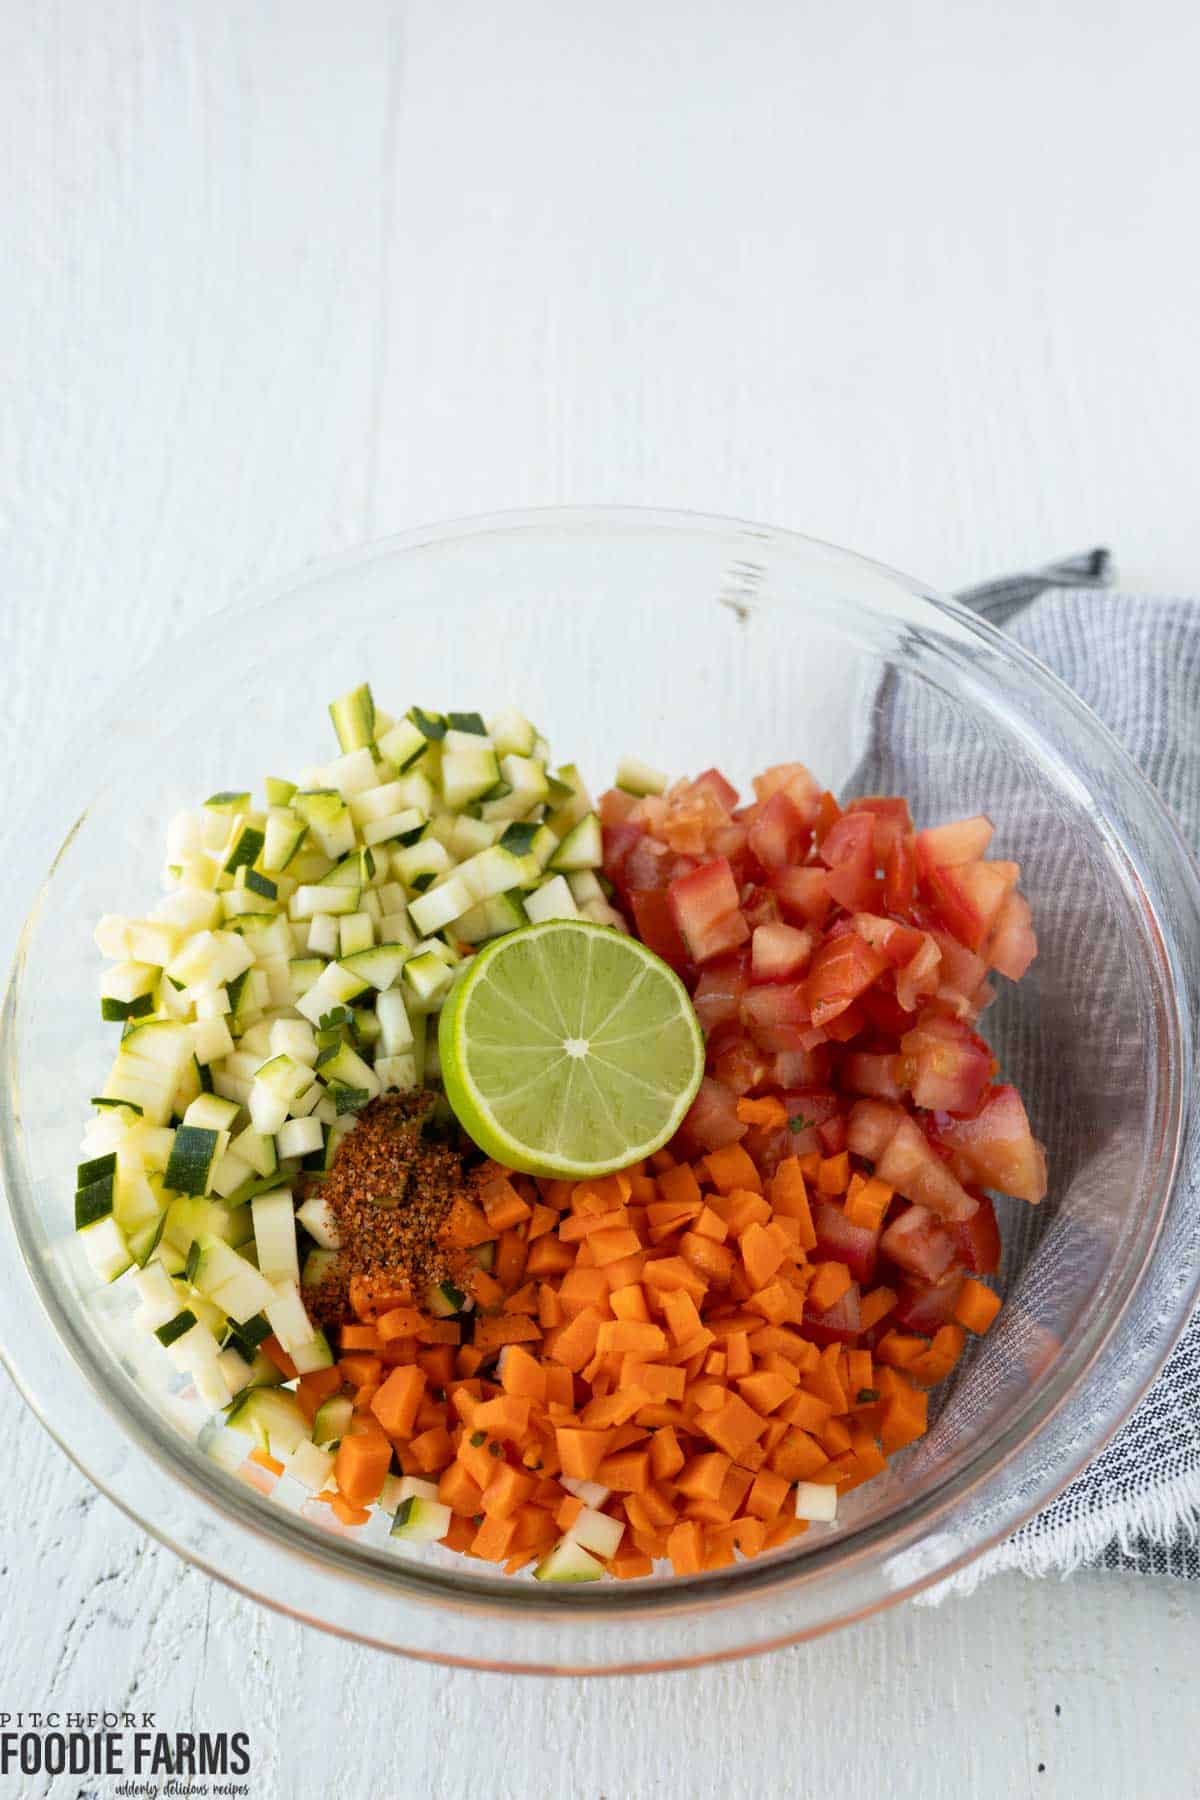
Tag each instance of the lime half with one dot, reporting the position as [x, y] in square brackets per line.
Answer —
[569, 1049]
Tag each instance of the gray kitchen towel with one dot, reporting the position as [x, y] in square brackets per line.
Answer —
[1136, 662]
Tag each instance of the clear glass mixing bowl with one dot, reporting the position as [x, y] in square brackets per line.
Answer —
[688, 641]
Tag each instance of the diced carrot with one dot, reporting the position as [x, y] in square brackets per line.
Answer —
[466, 1226]
[940, 1357]
[761, 1254]
[745, 1207]
[359, 1337]
[509, 1328]
[544, 1219]
[507, 1416]
[630, 1303]
[750, 1535]
[348, 1513]
[525, 1300]
[469, 1358]
[512, 1253]
[396, 1403]
[731, 1167]
[485, 1290]
[671, 1274]
[460, 1535]
[605, 1411]
[437, 1360]
[522, 1374]
[830, 1282]
[630, 1563]
[581, 1452]
[569, 1510]
[833, 1437]
[631, 1337]
[685, 1547]
[549, 1311]
[786, 1527]
[582, 1225]
[833, 1176]
[432, 1450]
[868, 1204]
[765, 1391]
[701, 1476]
[899, 1349]
[875, 1306]
[710, 1224]
[733, 1427]
[810, 1165]
[506, 1491]
[823, 1381]
[265, 1461]
[902, 1421]
[797, 1456]
[373, 1295]
[439, 1331]
[549, 1256]
[627, 1471]
[502, 1204]
[666, 1457]
[271, 1347]
[574, 1344]
[771, 1114]
[359, 1468]
[314, 1389]
[713, 1261]
[776, 1302]
[789, 1199]
[458, 1491]
[611, 1246]
[976, 1306]
[359, 1369]
[767, 1495]
[494, 1538]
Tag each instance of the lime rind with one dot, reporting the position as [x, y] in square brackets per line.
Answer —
[569, 1050]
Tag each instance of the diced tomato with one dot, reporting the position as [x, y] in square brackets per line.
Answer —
[953, 904]
[801, 1068]
[779, 952]
[945, 846]
[615, 807]
[803, 896]
[946, 1066]
[977, 1239]
[1013, 945]
[961, 971]
[997, 1149]
[900, 876]
[884, 1010]
[832, 1133]
[713, 782]
[760, 906]
[987, 885]
[872, 1072]
[839, 1323]
[648, 866]
[619, 840]
[899, 943]
[780, 834]
[842, 969]
[921, 976]
[719, 988]
[739, 1064]
[828, 814]
[711, 1121]
[917, 1242]
[840, 1241]
[654, 922]
[848, 852]
[794, 780]
[925, 1307]
[872, 1126]
[705, 904]
[892, 820]
[776, 1016]
[914, 1169]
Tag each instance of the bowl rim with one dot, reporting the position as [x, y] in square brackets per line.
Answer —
[619, 1603]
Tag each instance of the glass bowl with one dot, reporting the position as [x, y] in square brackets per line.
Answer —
[688, 641]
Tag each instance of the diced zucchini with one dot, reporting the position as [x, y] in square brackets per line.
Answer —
[569, 799]
[637, 777]
[275, 1234]
[582, 848]
[569, 1561]
[527, 838]
[272, 1417]
[289, 1320]
[511, 733]
[311, 1467]
[106, 1248]
[316, 1216]
[817, 1502]
[328, 819]
[427, 979]
[469, 768]
[333, 1419]
[193, 1157]
[584, 886]
[491, 918]
[496, 871]
[397, 1074]
[402, 744]
[444, 1300]
[278, 792]
[421, 1521]
[149, 1063]
[596, 1532]
[443, 903]
[354, 718]
[379, 966]
[314, 1355]
[553, 900]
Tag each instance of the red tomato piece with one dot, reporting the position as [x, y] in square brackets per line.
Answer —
[718, 992]
[801, 1068]
[780, 834]
[779, 952]
[654, 922]
[892, 820]
[954, 905]
[922, 976]
[705, 904]
[925, 1307]
[997, 1149]
[713, 782]
[848, 852]
[872, 1072]
[842, 968]
[794, 780]
[760, 906]
[899, 943]
[740, 1065]
[615, 807]
[917, 1242]
[900, 876]
[911, 1166]
[946, 1065]
[962, 841]
[987, 885]
[872, 1126]
[839, 1323]
[776, 1016]
[977, 1239]
[711, 1121]
[840, 1241]
[832, 1133]
[803, 897]
[1013, 944]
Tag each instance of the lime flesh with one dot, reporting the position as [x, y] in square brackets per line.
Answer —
[568, 1049]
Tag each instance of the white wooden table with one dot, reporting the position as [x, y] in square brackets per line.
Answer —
[278, 277]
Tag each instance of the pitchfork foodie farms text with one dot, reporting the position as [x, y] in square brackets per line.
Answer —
[577, 1188]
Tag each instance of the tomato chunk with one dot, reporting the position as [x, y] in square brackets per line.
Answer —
[705, 906]
[997, 1149]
